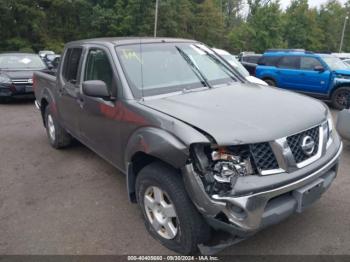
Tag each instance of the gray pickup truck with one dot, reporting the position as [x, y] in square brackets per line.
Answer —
[202, 149]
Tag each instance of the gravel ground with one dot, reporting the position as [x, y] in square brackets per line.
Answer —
[73, 202]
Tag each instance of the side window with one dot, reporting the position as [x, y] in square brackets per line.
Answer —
[269, 60]
[309, 63]
[251, 59]
[71, 64]
[289, 62]
[99, 68]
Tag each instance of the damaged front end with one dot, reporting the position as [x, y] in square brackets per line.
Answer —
[220, 167]
[214, 175]
[211, 176]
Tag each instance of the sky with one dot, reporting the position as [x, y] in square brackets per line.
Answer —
[312, 3]
[286, 3]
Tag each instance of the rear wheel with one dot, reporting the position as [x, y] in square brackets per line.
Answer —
[270, 82]
[340, 97]
[169, 215]
[58, 136]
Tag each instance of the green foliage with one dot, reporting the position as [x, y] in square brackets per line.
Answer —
[48, 24]
[301, 27]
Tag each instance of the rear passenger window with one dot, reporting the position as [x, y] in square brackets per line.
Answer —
[289, 62]
[71, 64]
[309, 63]
[251, 59]
[269, 60]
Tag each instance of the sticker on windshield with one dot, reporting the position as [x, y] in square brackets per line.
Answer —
[25, 61]
[130, 54]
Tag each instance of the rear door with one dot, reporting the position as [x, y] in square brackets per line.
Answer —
[68, 89]
[288, 73]
[314, 81]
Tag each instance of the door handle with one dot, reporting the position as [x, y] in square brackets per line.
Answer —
[60, 91]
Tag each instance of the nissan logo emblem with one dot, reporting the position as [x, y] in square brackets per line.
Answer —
[308, 145]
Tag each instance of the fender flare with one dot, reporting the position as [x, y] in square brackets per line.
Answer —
[156, 143]
[48, 96]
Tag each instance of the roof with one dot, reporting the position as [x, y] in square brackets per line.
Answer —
[17, 53]
[129, 40]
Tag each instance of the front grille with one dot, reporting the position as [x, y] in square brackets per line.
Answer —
[295, 141]
[263, 156]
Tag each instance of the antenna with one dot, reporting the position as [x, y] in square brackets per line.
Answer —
[141, 64]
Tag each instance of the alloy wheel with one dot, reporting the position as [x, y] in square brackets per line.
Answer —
[161, 212]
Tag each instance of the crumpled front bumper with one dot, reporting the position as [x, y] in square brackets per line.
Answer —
[246, 214]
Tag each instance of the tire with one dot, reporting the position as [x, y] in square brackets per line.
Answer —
[58, 136]
[270, 82]
[189, 227]
[340, 97]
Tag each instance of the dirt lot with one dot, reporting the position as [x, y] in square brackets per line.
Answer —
[73, 202]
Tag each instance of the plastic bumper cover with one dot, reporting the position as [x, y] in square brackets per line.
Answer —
[244, 215]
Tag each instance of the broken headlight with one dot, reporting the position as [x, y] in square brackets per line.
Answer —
[220, 167]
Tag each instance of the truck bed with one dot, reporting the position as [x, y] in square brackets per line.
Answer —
[41, 82]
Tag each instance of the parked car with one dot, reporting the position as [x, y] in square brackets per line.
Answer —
[52, 60]
[342, 56]
[238, 66]
[201, 149]
[347, 61]
[319, 75]
[43, 53]
[16, 72]
[249, 60]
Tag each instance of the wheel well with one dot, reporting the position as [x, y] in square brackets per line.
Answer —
[137, 163]
[43, 105]
[269, 78]
[337, 87]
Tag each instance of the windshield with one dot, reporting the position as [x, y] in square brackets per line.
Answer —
[334, 63]
[21, 61]
[237, 65]
[153, 69]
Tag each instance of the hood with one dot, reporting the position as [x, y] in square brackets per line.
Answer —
[342, 72]
[241, 114]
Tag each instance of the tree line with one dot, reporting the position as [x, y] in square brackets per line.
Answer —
[236, 25]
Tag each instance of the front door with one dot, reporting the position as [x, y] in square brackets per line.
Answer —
[98, 126]
[314, 81]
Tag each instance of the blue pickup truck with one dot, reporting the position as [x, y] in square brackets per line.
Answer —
[319, 75]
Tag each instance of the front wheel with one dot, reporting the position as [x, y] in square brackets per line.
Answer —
[170, 216]
[340, 98]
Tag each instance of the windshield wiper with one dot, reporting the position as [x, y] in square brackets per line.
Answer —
[194, 68]
[224, 65]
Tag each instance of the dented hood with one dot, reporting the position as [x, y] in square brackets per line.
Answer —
[243, 113]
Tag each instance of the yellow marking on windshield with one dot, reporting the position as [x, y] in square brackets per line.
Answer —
[130, 54]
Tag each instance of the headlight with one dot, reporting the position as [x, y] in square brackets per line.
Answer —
[220, 167]
[5, 80]
[330, 127]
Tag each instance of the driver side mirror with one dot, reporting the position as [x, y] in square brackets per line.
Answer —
[96, 88]
[319, 69]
